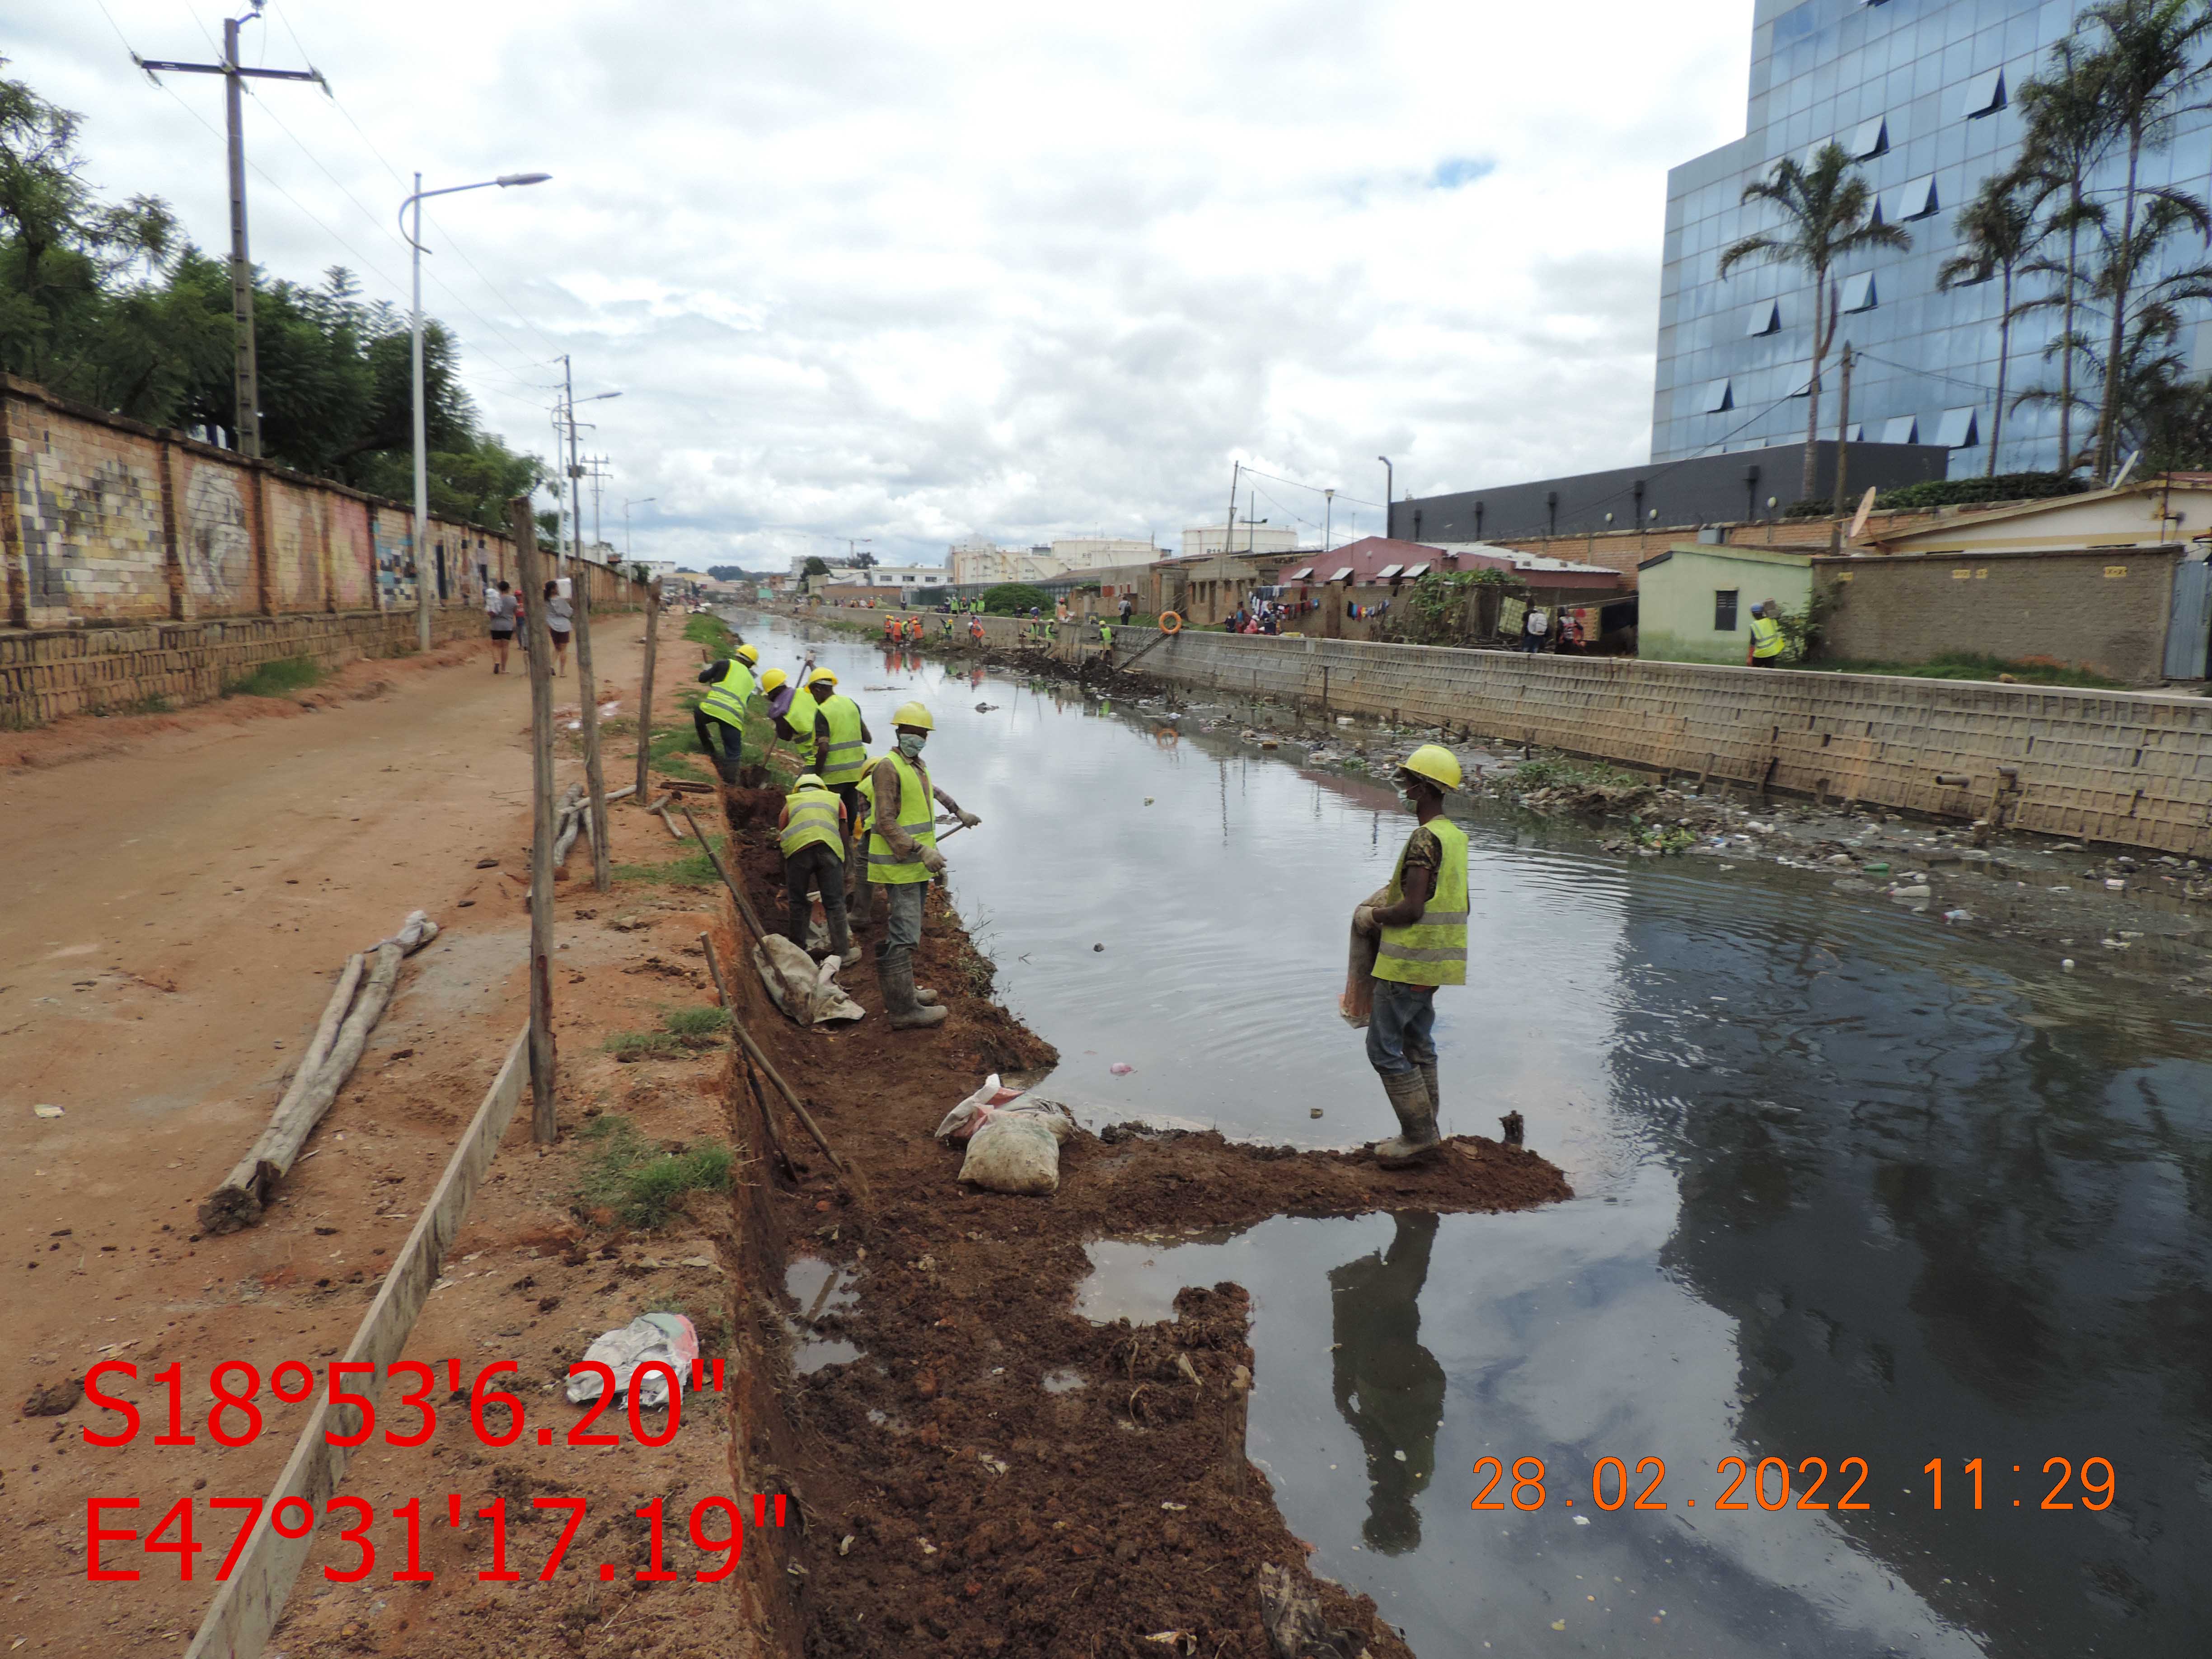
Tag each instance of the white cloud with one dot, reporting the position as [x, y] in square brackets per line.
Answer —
[913, 272]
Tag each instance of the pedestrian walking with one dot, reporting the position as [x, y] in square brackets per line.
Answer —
[500, 612]
[903, 856]
[1128, 606]
[720, 719]
[560, 619]
[1421, 933]
[812, 830]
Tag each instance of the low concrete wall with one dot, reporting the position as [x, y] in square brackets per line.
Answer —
[2126, 768]
[2102, 608]
[49, 672]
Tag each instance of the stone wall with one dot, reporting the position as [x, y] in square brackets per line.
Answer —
[2103, 610]
[47, 673]
[115, 535]
[2127, 768]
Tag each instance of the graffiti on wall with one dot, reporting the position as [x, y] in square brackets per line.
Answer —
[93, 547]
[217, 541]
[395, 563]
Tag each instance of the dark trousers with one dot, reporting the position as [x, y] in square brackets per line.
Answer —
[809, 868]
[732, 740]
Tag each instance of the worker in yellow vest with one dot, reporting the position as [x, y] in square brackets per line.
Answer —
[903, 856]
[1767, 644]
[1422, 928]
[840, 757]
[720, 719]
[812, 843]
[800, 717]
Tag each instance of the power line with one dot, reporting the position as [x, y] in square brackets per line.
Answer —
[1316, 488]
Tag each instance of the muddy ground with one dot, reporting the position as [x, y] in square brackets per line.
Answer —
[992, 1473]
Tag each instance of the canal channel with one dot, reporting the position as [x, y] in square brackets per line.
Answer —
[1855, 1192]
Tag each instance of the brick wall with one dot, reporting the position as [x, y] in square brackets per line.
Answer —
[2106, 610]
[2120, 766]
[47, 673]
[109, 528]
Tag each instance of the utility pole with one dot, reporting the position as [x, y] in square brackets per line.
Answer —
[1250, 530]
[246, 375]
[539, 658]
[1843, 433]
[595, 790]
[598, 476]
[1327, 507]
[1229, 530]
[1389, 484]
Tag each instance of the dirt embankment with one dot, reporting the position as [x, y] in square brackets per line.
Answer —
[993, 1474]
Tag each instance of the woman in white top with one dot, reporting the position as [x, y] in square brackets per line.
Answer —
[559, 613]
[501, 611]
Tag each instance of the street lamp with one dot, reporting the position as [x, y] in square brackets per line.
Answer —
[626, 507]
[413, 233]
[1389, 484]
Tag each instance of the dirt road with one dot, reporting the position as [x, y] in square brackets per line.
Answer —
[177, 906]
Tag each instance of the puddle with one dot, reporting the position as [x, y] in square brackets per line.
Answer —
[821, 1289]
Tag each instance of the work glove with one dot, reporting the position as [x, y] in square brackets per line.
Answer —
[1363, 920]
[968, 820]
[933, 860]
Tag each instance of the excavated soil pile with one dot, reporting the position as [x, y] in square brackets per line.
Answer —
[993, 1473]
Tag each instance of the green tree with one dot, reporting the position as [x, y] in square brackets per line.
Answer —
[1827, 214]
[1997, 231]
[1013, 599]
[817, 566]
[2068, 136]
[2144, 70]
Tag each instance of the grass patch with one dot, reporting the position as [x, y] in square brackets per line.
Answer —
[643, 1183]
[696, 1023]
[710, 631]
[276, 679]
[682, 1031]
[644, 1045]
[1972, 665]
[691, 869]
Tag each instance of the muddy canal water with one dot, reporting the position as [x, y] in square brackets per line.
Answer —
[1855, 1193]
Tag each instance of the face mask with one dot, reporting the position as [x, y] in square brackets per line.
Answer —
[1409, 800]
[909, 744]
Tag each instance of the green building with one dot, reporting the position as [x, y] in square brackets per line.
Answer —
[1693, 601]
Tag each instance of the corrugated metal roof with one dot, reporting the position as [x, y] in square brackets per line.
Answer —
[1386, 572]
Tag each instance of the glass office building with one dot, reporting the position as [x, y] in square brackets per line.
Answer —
[1920, 93]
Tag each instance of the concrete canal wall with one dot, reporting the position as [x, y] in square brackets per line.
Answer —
[2128, 767]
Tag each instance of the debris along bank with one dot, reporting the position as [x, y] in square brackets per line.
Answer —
[993, 1473]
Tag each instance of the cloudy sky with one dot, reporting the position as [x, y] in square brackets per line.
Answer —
[917, 272]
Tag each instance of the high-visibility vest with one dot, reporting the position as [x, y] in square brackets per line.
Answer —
[917, 816]
[726, 699]
[799, 717]
[812, 820]
[847, 753]
[1766, 637]
[1433, 950]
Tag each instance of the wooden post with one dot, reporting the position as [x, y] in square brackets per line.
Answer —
[541, 825]
[595, 785]
[645, 692]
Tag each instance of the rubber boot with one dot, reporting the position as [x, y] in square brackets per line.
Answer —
[1428, 1071]
[841, 941]
[896, 974]
[1416, 1141]
[856, 875]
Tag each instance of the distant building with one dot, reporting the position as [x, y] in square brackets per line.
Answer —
[1204, 538]
[978, 563]
[896, 575]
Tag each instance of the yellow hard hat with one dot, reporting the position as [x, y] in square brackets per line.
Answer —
[820, 675]
[808, 781]
[914, 714]
[773, 680]
[746, 655]
[1435, 762]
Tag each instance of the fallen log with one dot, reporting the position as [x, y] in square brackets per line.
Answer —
[364, 991]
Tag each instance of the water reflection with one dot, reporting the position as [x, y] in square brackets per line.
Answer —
[1388, 1388]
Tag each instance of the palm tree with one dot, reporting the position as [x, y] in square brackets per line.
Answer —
[2144, 71]
[1827, 214]
[2068, 135]
[1997, 230]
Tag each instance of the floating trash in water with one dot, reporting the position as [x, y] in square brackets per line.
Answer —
[1120, 1067]
[2067, 962]
[56, 1111]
